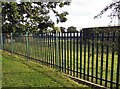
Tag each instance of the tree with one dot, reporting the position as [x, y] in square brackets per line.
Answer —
[115, 7]
[29, 16]
[71, 29]
[55, 28]
[62, 29]
[115, 12]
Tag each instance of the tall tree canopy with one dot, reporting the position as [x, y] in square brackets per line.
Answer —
[31, 16]
[115, 10]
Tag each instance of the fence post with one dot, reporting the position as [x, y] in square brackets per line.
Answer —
[27, 46]
[11, 41]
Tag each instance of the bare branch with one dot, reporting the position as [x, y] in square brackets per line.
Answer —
[115, 9]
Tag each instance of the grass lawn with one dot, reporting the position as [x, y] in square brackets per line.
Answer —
[17, 72]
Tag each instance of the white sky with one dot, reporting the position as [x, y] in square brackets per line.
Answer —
[82, 12]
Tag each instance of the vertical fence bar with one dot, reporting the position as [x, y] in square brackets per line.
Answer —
[107, 55]
[43, 47]
[38, 46]
[52, 50]
[2, 44]
[92, 56]
[70, 53]
[102, 51]
[81, 38]
[18, 50]
[88, 67]
[77, 56]
[0, 56]
[23, 52]
[67, 53]
[85, 39]
[49, 45]
[15, 46]
[48, 50]
[74, 53]
[34, 47]
[11, 41]
[118, 63]
[97, 47]
[27, 51]
[112, 65]
[34, 51]
[57, 50]
[62, 50]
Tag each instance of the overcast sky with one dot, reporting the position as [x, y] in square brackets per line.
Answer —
[82, 12]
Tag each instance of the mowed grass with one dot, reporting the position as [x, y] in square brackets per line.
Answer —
[20, 73]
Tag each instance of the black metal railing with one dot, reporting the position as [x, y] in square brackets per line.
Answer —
[94, 57]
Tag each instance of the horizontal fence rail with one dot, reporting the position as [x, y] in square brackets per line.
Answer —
[93, 57]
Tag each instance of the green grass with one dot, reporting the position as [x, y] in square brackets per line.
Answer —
[17, 72]
[39, 49]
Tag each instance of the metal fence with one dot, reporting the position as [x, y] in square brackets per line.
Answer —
[94, 57]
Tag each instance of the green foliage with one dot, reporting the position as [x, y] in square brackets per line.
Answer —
[62, 29]
[29, 16]
[72, 29]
